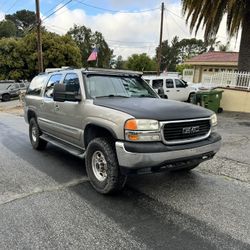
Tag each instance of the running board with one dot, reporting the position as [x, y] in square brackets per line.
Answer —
[65, 146]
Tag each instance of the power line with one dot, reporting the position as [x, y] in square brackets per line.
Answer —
[56, 10]
[54, 7]
[12, 6]
[115, 11]
[179, 25]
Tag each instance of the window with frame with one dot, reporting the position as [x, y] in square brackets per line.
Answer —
[179, 84]
[53, 80]
[71, 81]
[36, 85]
[158, 83]
[169, 83]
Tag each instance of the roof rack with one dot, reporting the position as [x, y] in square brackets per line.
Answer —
[51, 70]
[113, 71]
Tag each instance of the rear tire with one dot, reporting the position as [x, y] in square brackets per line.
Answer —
[34, 134]
[102, 167]
[6, 98]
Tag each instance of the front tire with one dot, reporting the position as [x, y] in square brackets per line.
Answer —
[102, 167]
[34, 134]
[6, 98]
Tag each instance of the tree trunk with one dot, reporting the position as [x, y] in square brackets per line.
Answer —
[244, 55]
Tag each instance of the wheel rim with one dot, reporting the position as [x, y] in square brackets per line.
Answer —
[34, 134]
[99, 166]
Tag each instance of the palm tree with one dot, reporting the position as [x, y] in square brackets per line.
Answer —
[209, 13]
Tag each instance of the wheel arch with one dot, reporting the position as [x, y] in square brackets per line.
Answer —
[92, 131]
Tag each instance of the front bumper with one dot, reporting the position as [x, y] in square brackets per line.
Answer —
[197, 153]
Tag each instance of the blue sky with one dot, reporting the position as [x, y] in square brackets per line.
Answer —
[125, 33]
[46, 5]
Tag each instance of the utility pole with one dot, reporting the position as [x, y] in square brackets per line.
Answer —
[160, 43]
[39, 38]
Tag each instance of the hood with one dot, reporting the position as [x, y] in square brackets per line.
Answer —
[154, 108]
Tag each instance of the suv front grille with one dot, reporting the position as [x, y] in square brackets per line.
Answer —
[185, 131]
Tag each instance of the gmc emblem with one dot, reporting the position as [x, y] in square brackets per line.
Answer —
[190, 130]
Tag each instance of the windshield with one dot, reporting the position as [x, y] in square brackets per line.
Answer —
[118, 86]
[4, 86]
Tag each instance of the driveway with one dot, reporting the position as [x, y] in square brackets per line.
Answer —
[46, 200]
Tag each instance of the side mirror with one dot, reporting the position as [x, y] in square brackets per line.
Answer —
[63, 93]
[161, 92]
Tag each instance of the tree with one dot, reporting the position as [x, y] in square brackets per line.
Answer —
[87, 41]
[209, 14]
[224, 47]
[189, 48]
[23, 20]
[119, 63]
[169, 57]
[178, 51]
[212, 43]
[7, 29]
[18, 57]
[141, 62]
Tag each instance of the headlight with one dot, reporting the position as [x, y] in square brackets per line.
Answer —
[142, 130]
[213, 120]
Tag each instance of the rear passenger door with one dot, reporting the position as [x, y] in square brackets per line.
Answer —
[47, 121]
[69, 115]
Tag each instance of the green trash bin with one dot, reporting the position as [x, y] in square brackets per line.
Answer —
[210, 99]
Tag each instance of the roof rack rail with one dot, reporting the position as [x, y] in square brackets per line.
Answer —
[51, 70]
[113, 71]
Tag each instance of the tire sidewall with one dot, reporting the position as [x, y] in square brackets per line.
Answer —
[112, 165]
[33, 123]
[6, 98]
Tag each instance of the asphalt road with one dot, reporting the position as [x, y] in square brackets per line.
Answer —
[46, 201]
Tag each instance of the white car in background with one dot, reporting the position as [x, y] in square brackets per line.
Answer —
[174, 88]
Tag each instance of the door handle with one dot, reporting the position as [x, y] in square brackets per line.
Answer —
[57, 107]
[42, 103]
[167, 90]
[178, 90]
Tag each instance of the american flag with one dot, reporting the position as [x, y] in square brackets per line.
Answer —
[93, 55]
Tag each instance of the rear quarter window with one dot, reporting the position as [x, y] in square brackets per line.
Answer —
[36, 86]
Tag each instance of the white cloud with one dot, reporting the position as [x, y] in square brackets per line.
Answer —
[131, 33]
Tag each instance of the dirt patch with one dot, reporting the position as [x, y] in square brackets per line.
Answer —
[16, 110]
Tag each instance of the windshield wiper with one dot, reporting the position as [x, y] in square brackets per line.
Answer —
[124, 96]
[143, 95]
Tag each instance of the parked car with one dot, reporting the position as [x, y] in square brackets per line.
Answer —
[117, 122]
[172, 87]
[9, 90]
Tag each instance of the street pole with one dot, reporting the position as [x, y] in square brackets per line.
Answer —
[39, 38]
[160, 43]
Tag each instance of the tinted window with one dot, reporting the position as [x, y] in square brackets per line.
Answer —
[36, 85]
[72, 82]
[53, 80]
[22, 85]
[179, 84]
[127, 86]
[16, 86]
[156, 84]
[169, 83]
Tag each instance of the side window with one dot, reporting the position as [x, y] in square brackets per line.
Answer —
[22, 85]
[156, 84]
[71, 81]
[17, 86]
[169, 83]
[179, 84]
[53, 80]
[36, 85]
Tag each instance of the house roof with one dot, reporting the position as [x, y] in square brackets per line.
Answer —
[215, 57]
